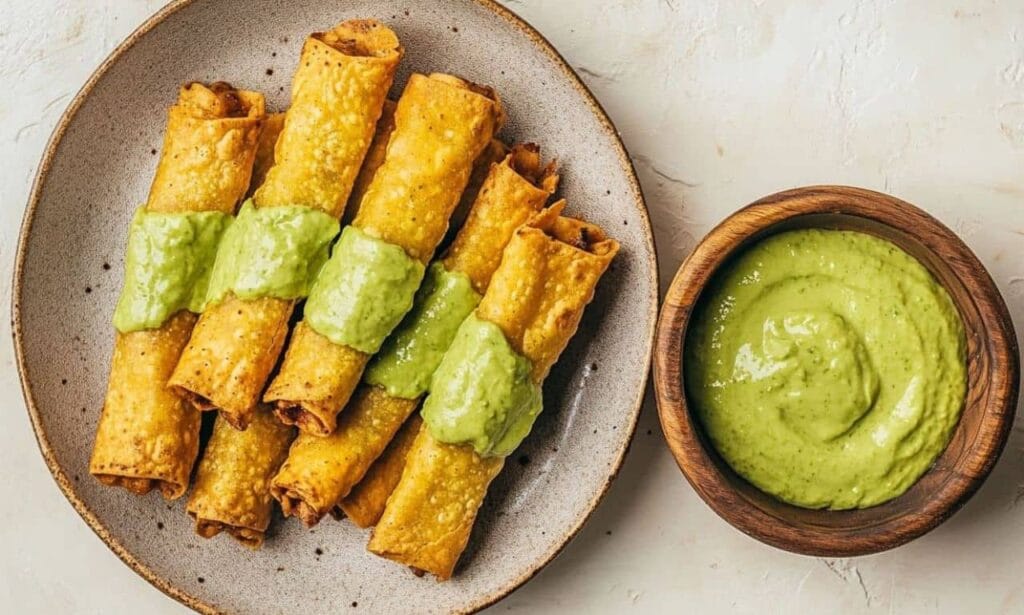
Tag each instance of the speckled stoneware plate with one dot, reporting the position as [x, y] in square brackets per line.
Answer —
[98, 167]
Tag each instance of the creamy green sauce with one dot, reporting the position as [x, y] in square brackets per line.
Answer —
[482, 394]
[410, 355]
[363, 291]
[827, 367]
[167, 266]
[272, 252]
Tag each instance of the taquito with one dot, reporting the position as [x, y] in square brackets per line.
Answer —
[338, 92]
[442, 124]
[322, 470]
[547, 276]
[147, 436]
[232, 490]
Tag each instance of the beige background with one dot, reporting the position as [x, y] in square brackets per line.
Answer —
[720, 102]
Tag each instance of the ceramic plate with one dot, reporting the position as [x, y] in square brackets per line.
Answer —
[98, 167]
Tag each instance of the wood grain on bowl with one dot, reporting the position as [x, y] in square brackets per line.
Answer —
[992, 364]
[97, 168]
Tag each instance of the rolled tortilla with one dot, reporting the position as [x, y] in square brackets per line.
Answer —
[146, 435]
[547, 276]
[442, 124]
[320, 471]
[232, 490]
[338, 92]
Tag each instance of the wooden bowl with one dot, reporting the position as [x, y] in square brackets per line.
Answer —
[992, 366]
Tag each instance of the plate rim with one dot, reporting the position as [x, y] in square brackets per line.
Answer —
[17, 282]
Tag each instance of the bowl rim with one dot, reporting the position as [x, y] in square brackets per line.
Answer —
[67, 488]
[680, 428]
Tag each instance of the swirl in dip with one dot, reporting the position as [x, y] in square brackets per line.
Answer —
[827, 367]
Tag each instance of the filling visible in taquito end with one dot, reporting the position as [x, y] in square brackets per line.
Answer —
[208, 151]
[294, 504]
[147, 437]
[442, 124]
[338, 92]
[320, 471]
[547, 276]
[232, 488]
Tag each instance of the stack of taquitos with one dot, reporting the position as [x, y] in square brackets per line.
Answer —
[147, 435]
[481, 331]
[338, 92]
[536, 298]
[442, 124]
[513, 192]
[320, 471]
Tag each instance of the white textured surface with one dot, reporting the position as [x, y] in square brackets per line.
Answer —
[720, 103]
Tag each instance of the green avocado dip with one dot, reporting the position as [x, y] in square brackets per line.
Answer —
[482, 394]
[407, 360]
[827, 367]
[363, 291]
[271, 252]
[167, 267]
